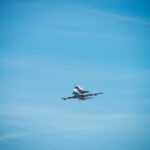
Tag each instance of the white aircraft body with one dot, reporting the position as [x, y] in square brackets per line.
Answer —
[81, 94]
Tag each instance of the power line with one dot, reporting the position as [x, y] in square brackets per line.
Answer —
[62, 138]
[37, 145]
[42, 125]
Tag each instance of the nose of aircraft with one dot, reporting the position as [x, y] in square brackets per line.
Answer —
[76, 87]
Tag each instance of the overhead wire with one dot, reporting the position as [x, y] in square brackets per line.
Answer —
[62, 138]
[50, 127]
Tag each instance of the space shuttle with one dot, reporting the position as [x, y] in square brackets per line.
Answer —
[79, 89]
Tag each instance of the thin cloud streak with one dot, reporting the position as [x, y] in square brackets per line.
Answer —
[14, 135]
[121, 17]
[105, 73]
[13, 111]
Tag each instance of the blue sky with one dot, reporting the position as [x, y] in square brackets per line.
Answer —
[47, 47]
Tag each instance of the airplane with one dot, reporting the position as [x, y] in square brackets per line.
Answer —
[81, 94]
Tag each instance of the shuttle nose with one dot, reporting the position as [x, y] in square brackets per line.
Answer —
[76, 87]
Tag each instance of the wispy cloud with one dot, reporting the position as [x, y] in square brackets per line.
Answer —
[14, 135]
[107, 72]
[92, 12]
[19, 110]
[52, 119]
[121, 17]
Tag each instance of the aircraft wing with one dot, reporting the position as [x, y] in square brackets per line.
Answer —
[70, 97]
[94, 94]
